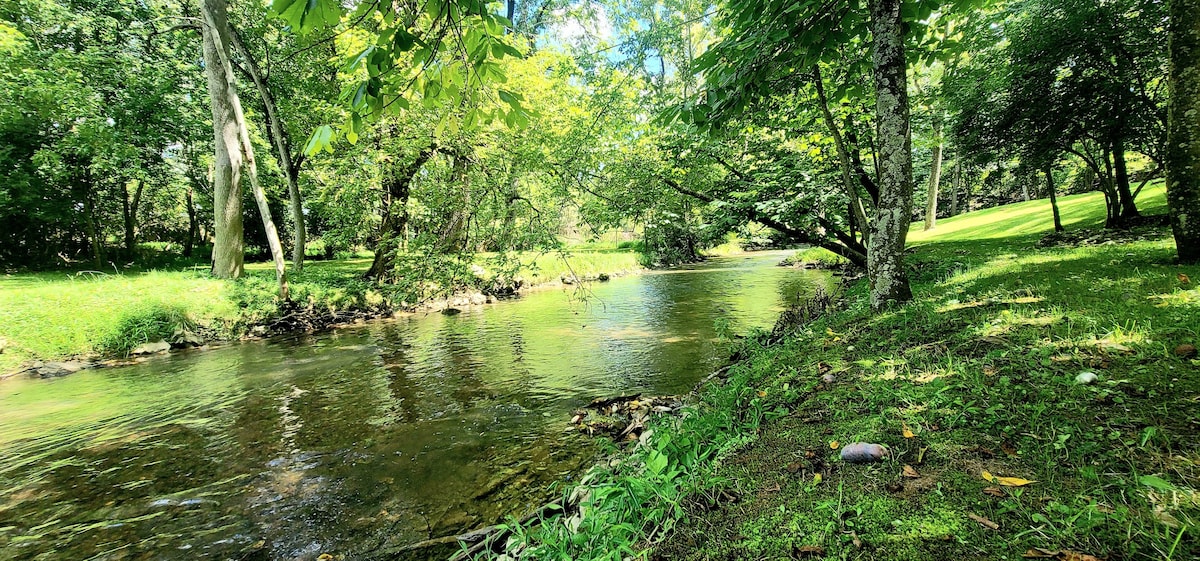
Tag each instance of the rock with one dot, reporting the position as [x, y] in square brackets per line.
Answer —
[183, 339]
[58, 369]
[150, 348]
[3, 343]
[863, 452]
[1186, 350]
[603, 277]
[478, 299]
[451, 311]
[567, 279]
[828, 378]
[1085, 378]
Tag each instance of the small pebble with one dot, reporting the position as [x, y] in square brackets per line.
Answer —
[828, 378]
[863, 452]
[1085, 378]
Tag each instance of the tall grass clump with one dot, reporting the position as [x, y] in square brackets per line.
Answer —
[154, 321]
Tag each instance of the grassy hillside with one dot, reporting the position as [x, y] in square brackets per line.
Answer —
[976, 378]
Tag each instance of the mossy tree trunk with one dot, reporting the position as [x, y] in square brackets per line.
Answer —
[885, 252]
[1183, 129]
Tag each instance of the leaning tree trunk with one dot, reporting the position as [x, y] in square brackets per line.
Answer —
[397, 186]
[283, 150]
[217, 24]
[857, 213]
[885, 252]
[228, 251]
[935, 178]
[1183, 129]
[1049, 171]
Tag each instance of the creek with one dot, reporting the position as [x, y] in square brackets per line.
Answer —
[360, 440]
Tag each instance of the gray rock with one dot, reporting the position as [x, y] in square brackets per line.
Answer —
[183, 339]
[151, 348]
[863, 452]
[58, 369]
[1085, 378]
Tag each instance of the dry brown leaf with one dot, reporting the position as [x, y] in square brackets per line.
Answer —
[1008, 449]
[1006, 481]
[910, 472]
[762, 393]
[907, 432]
[994, 491]
[1060, 555]
[984, 522]
[810, 551]
[1183, 279]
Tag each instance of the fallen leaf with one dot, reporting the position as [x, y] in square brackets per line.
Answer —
[833, 444]
[762, 393]
[984, 522]
[816, 479]
[794, 467]
[907, 432]
[1063, 555]
[810, 551]
[910, 472]
[994, 491]
[921, 455]
[1008, 449]
[1183, 279]
[1006, 481]
[324, 557]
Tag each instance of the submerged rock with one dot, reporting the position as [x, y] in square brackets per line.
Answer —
[151, 348]
[863, 452]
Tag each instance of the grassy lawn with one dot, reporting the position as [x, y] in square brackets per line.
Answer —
[977, 375]
[55, 315]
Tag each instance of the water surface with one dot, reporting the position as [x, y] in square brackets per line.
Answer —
[361, 440]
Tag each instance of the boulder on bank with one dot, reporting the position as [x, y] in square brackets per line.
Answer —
[57, 369]
[150, 348]
[183, 339]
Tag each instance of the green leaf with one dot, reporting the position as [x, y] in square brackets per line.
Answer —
[1155, 482]
[308, 15]
[319, 140]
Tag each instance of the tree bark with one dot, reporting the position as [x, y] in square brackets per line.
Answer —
[193, 222]
[957, 184]
[91, 224]
[228, 251]
[129, 210]
[397, 185]
[885, 253]
[1049, 171]
[1183, 130]
[935, 178]
[283, 150]
[856, 208]
[1124, 194]
[217, 25]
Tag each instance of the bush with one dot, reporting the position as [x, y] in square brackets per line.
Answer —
[155, 321]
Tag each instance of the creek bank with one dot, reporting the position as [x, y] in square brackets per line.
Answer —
[293, 316]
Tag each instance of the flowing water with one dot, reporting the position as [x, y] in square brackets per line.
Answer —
[361, 440]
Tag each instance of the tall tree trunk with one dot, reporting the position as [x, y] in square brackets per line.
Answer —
[290, 165]
[935, 178]
[1049, 171]
[228, 251]
[217, 25]
[1183, 130]
[1128, 206]
[885, 252]
[857, 214]
[129, 210]
[397, 185]
[193, 222]
[956, 176]
[91, 223]
[455, 234]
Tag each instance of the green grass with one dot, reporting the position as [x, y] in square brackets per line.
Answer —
[980, 367]
[56, 315]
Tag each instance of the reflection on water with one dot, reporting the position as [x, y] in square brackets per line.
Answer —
[358, 441]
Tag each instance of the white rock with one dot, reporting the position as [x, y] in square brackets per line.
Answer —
[1085, 378]
[151, 348]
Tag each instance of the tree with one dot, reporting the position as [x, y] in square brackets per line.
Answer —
[1183, 142]
[233, 148]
